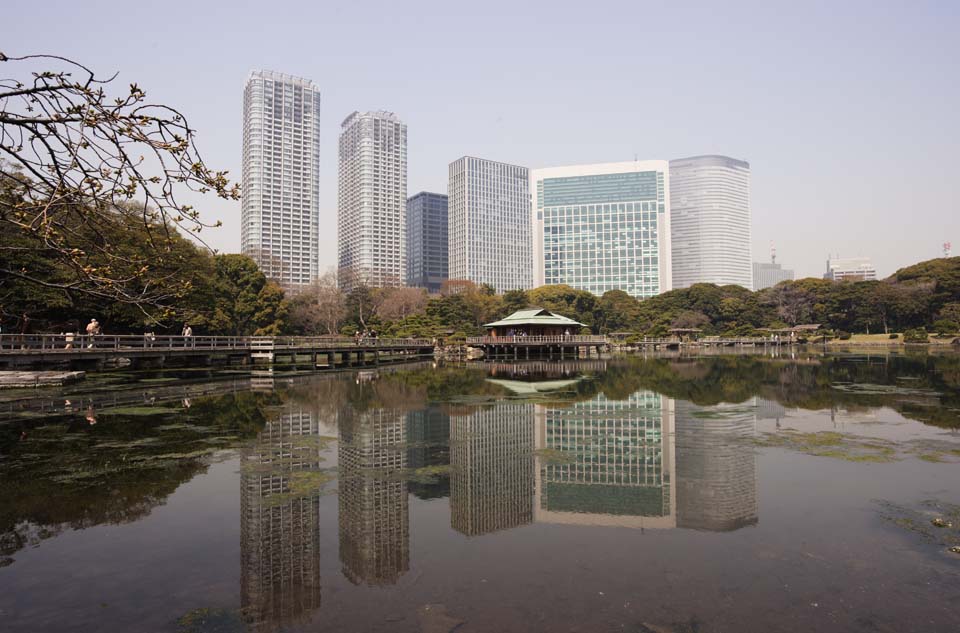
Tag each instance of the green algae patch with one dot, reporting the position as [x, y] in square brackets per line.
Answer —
[429, 474]
[211, 621]
[554, 457]
[934, 521]
[833, 445]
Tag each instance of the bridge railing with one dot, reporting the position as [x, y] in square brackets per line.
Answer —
[585, 339]
[73, 343]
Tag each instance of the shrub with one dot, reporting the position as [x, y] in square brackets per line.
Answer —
[917, 335]
[843, 336]
[944, 326]
[893, 336]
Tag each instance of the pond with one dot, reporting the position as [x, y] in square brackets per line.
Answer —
[798, 492]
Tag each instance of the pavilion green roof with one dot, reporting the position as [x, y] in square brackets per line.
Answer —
[535, 316]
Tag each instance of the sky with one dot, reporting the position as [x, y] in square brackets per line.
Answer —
[846, 111]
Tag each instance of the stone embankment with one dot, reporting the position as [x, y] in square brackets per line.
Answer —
[21, 379]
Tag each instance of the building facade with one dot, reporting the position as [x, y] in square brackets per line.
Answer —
[769, 274]
[850, 269]
[710, 221]
[280, 211]
[489, 223]
[603, 227]
[372, 199]
[427, 240]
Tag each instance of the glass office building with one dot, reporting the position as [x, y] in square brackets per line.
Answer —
[603, 227]
[280, 209]
[427, 240]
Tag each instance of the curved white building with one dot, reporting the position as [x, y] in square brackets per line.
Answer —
[710, 221]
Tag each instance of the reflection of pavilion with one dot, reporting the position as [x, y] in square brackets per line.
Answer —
[621, 471]
[374, 518]
[280, 538]
[716, 466]
[491, 458]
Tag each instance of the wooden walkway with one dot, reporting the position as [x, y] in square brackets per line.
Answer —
[39, 350]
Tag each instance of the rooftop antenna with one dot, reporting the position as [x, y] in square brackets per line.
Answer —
[946, 249]
[773, 253]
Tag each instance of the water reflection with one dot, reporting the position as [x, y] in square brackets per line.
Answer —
[616, 462]
[373, 504]
[491, 460]
[280, 530]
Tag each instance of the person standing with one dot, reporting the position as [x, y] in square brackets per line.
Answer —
[93, 329]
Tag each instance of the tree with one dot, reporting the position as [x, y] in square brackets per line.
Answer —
[616, 311]
[394, 304]
[82, 169]
[514, 300]
[320, 308]
[943, 327]
[239, 300]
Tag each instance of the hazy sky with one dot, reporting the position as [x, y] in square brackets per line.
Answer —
[847, 111]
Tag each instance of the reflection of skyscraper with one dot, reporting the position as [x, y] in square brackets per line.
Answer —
[280, 538]
[491, 458]
[716, 466]
[374, 518]
[428, 438]
[613, 463]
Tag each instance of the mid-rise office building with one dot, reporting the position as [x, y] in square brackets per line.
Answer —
[769, 274]
[372, 199]
[489, 223]
[427, 240]
[603, 227]
[710, 221]
[280, 212]
[850, 269]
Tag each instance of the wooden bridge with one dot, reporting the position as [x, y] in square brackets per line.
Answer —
[39, 350]
[710, 341]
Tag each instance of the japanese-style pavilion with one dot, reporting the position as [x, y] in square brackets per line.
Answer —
[534, 322]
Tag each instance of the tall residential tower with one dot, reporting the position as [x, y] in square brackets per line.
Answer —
[280, 212]
[372, 199]
[603, 227]
[489, 223]
[710, 221]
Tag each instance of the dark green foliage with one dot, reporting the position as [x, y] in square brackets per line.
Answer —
[843, 336]
[944, 326]
[916, 335]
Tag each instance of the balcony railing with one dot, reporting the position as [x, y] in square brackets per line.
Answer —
[568, 339]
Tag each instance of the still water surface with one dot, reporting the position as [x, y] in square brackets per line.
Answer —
[731, 493]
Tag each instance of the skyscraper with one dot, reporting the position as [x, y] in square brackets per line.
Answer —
[489, 225]
[427, 240]
[710, 221]
[372, 199]
[603, 227]
[280, 212]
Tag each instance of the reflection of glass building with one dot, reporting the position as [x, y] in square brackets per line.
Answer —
[491, 459]
[603, 227]
[622, 462]
[280, 537]
[374, 518]
[428, 439]
[716, 466]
